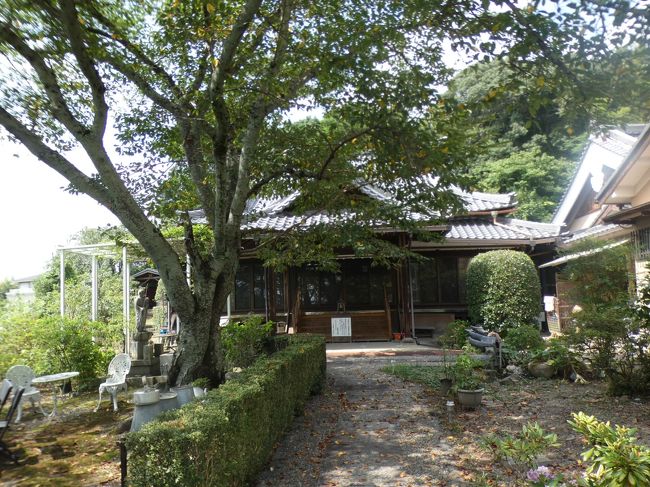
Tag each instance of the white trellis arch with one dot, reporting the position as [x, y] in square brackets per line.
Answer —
[95, 251]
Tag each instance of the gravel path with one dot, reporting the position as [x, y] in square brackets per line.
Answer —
[367, 429]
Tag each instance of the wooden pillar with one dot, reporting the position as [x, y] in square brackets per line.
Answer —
[404, 292]
[269, 293]
[287, 295]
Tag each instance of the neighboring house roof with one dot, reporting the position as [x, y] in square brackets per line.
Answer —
[597, 231]
[603, 154]
[630, 173]
[566, 258]
[26, 279]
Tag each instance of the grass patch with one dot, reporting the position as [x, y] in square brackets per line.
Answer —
[429, 375]
[78, 447]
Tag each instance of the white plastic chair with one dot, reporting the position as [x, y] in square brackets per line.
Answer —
[116, 380]
[22, 376]
[5, 389]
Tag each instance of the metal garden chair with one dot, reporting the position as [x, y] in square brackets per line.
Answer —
[21, 376]
[5, 389]
[116, 380]
[4, 425]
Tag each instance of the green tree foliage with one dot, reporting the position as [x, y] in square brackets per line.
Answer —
[78, 282]
[503, 290]
[201, 92]
[537, 178]
[5, 286]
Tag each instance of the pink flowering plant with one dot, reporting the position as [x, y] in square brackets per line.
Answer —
[543, 477]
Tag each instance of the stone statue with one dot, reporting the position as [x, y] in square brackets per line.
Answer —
[141, 310]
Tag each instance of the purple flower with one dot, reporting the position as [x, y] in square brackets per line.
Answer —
[540, 473]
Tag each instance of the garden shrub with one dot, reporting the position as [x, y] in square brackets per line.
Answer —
[521, 343]
[466, 372]
[609, 334]
[503, 290]
[523, 449]
[557, 354]
[244, 341]
[49, 345]
[615, 459]
[225, 439]
[456, 335]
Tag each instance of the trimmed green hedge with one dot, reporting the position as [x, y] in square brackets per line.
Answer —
[227, 438]
[503, 290]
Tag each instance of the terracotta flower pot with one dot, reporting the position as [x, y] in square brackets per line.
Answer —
[397, 337]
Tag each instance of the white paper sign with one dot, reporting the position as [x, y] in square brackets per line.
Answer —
[342, 327]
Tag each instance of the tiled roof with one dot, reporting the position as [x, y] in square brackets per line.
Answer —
[502, 229]
[273, 215]
[598, 230]
[270, 209]
[483, 202]
[280, 223]
[615, 142]
[476, 201]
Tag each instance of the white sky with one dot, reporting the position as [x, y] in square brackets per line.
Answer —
[36, 215]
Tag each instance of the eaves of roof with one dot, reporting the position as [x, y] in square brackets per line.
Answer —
[641, 145]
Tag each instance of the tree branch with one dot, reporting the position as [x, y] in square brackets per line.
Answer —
[224, 67]
[196, 160]
[550, 53]
[118, 36]
[70, 19]
[53, 159]
[138, 80]
[132, 217]
[338, 147]
[46, 76]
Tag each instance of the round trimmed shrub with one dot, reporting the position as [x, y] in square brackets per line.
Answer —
[503, 290]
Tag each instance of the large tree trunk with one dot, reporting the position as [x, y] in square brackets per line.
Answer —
[200, 353]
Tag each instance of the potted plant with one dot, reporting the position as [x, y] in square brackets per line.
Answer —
[200, 386]
[468, 381]
[554, 358]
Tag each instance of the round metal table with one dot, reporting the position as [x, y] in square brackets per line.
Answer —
[53, 379]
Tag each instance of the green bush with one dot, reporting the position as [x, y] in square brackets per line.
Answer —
[226, 438]
[523, 449]
[50, 345]
[521, 343]
[557, 354]
[456, 335]
[609, 334]
[244, 341]
[503, 290]
[615, 458]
